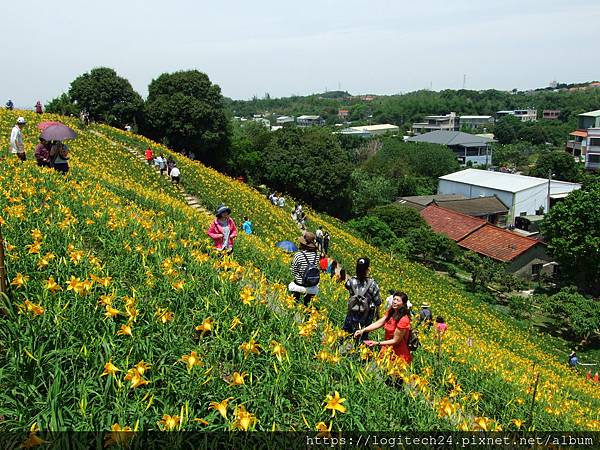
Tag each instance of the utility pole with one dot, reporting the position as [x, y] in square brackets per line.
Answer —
[549, 183]
[464, 81]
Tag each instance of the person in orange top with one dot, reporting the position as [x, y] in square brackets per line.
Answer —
[149, 155]
[396, 324]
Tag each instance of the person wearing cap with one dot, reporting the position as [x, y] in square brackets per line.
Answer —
[17, 147]
[305, 257]
[223, 230]
[425, 316]
[362, 284]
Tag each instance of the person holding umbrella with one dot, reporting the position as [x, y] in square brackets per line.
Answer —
[59, 155]
[42, 153]
[17, 147]
[59, 152]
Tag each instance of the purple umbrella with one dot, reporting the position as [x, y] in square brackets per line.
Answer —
[58, 132]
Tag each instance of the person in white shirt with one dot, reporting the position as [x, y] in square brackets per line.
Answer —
[175, 173]
[281, 201]
[17, 147]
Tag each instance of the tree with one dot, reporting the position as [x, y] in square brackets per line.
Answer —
[572, 232]
[186, 109]
[247, 144]
[370, 191]
[483, 270]
[424, 242]
[375, 232]
[570, 309]
[62, 105]
[505, 130]
[401, 219]
[107, 97]
[310, 165]
[560, 163]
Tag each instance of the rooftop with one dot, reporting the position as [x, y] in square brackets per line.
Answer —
[476, 207]
[385, 126]
[425, 200]
[507, 182]
[497, 243]
[309, 117]
[475, 117]
[450, 138]
[453, 224]
[592, 113]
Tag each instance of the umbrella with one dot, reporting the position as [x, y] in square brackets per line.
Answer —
[58, 132]
[287, 246]
[43, 125]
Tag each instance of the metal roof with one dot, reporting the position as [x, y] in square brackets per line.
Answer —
[444, 137]
[476, 207]
[309, 117]
[385, 126]
[475, 117]
[495, 180]
[427, 199]
[592, 113]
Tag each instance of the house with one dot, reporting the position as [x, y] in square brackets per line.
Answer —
[282, 120]
[309, 121]
[420, 202]
[524, 115]
[377, 130]
[551, 114]
[449, 122]
[523, 195]
[577, 146]
[343, 114]
[491, 209]
[592, 156]
[476, 121]
[263, 121]
[467, 147]
[523, 255]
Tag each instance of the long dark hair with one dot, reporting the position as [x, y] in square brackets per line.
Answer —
[362, 268]
[397, 314]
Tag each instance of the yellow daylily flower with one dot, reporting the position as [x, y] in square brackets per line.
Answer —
[237, 379]
[191, 360]
[164, 315]
[278, 350]
[52, 285]
[234, 323]
[250, 347]
[206, 326]
[334, 402]
[220, 406]
[20, 280]
[125, 331]
[110, 369]
[243, 419]
[168, 423]
[119, 436]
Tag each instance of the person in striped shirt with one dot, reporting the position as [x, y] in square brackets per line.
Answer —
[307, 255]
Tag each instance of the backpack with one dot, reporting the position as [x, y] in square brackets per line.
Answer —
[413, 342]
[311, 275]
[359, 303]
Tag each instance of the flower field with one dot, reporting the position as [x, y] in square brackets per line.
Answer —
[120, 315]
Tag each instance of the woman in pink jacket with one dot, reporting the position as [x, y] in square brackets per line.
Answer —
[223, 230]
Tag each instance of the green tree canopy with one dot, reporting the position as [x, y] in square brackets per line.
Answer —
[310, 165]
[107, 97]
[401, 219]
[572, 231]
[369, 191]
[186, 109]
[560, 163]
[570, 309]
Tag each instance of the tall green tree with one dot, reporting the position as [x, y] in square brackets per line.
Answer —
[560, 163]
[107, 97]
[186, 110]
[401, 219]
[369, 191]
[572, 232]
[310, 165]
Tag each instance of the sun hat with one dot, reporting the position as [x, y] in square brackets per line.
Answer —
[425, 305]
[21, 120]
[222, 209]
[307, 240]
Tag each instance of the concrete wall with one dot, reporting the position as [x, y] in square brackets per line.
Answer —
[521, 266]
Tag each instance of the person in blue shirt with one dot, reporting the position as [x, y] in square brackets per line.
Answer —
[247, 226]
[573, 360]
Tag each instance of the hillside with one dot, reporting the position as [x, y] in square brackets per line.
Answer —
[109, 264]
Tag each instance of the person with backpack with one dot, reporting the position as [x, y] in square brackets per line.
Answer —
[364, 301]
[305, 270]
[396, 324]
[425, 317]
[326, 239]
[573, 360]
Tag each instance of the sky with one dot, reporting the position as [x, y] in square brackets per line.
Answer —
[299, 47]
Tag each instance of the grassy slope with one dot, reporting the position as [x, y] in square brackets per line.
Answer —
[106, 178]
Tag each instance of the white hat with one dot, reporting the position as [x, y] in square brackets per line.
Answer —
[409, 304]
[21, 120]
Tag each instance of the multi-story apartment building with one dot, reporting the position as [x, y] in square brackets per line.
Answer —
[449, 122]
[524, 115]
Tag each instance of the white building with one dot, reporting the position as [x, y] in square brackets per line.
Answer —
[525, 196]
[308, 121]
[376, 130]
[281, 120]
[592, 155]
[476, 121]
[449, 122]
[524, 115]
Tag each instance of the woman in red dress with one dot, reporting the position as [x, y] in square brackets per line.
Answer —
[396, 324]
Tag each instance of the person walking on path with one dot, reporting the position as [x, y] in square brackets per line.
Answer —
[281, 201]
[149, 156]
[38, 107]
[247, 226]
[326, 239]
[223, 230]
[17, 147]
[319, 237]
[59, 157]
[305, 270]
[175, 175]
[364, 301]
[396, 324]
[573, 360]
[161, 162]
[42, 153]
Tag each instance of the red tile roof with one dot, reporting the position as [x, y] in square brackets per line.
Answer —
[497, 243]
[453, 224]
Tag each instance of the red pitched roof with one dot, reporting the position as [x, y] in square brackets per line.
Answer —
[451, 223]
[497, 243]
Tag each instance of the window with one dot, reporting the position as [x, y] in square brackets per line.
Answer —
[593, 159]
[523, 213]
[594, 142]
[536, 269]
